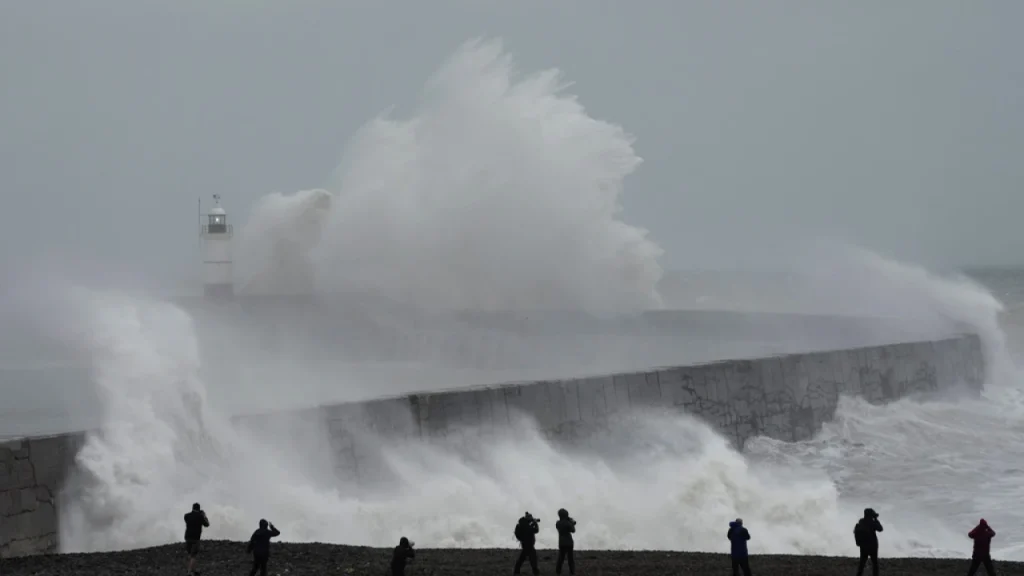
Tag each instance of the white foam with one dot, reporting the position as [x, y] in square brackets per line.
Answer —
[500, 193]
[663, 483]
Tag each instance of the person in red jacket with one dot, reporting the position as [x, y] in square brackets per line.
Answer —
[982, 536]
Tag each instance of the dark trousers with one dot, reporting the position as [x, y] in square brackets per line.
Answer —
[866, 553]
[259, 563]
[976, 563]
[527, 553]
[740, 564]
[565, 553]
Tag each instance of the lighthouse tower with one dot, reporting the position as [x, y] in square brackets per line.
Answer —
[217, 269]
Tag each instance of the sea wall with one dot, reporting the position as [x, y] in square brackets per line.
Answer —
[32, 473]
[786, 397]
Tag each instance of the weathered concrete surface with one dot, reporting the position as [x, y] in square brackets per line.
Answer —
[32, 472]
[785, 397]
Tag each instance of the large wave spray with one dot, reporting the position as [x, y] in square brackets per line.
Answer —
[501, 193]
[497, 195]
[659, 482]
[946, 461]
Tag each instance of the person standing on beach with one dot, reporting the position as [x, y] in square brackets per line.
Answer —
[259, 547]
[566, 527]
[195, 521]
[982, 536]
[526, 532]
[866, 534]
[739, 535]
[403, 553]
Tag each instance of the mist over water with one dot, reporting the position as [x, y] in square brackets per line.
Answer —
[501, 193]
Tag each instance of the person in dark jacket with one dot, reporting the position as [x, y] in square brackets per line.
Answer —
[866, 534]
[982, 536]
[403, 553]
[194, 523]
[738, 536]
[526, 532]
[259, 547]
[566, 527]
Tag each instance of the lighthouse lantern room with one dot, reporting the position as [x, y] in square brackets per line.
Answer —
[216, 234]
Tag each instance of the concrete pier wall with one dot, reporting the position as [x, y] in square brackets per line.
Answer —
[32, 473]
[785, 397]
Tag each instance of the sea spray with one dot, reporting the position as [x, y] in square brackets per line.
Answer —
[274, 248]
[658, 480]
[945, 461]
[500, 193]
[496, 195]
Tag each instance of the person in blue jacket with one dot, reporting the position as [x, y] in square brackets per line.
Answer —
[739, 535]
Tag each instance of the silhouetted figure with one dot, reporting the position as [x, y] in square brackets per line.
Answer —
[566, 527]
[526, 532]
[403, 553]
[982, 536]
[259, 546]
[194, 523]
[866, 534]
[738, 536]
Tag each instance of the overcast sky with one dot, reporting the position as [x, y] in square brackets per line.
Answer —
[896, 125]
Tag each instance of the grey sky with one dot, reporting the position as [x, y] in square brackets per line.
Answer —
[762, 124]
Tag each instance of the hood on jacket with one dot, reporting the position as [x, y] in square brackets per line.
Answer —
[735, 524]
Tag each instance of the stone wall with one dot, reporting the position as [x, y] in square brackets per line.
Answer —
[785, 397]
[32, 472]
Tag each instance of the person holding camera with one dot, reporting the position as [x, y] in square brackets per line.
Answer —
[403, 552]
[526, 533]
[866, 534]
[738, 536]
[982, 536]
[194, 523]
[259, 547]
[566, 527]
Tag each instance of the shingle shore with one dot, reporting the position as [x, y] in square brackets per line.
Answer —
[223, 558]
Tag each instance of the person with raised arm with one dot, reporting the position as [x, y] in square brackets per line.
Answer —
[566, 527]
[982, 536]
[738, 535]
[526, 533]
[259, 547]
[195, 521]
[865, 533]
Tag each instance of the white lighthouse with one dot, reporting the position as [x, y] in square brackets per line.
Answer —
[217, 268]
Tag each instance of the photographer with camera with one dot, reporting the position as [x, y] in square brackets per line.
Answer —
[194, 523]
[566, 527]
[259, 547]
[403, 552]
[866, 534]
[526, 533]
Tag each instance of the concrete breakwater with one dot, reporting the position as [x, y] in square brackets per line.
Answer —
[784, 397]
[32, 474]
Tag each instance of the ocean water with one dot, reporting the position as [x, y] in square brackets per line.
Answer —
[502, 192]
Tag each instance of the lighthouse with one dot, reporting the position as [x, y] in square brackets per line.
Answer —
[217, 268]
